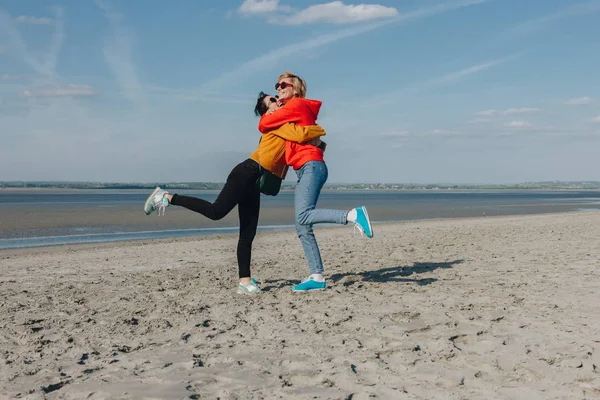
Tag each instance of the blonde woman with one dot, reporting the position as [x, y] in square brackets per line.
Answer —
[311, 170]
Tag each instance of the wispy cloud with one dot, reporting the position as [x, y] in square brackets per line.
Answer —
[596, 120]
[271, 59]
[480, 121]
[44, 65]
[118, 55]
[579, 101]
[27, 19]
[487, 113]
[394, 135]
[194, 95]
[510, 111]
[8, 77]
[442, 132]
[536, 25]
[392, 96]
[518, 124]
[337, 13]
[454, 76]
[61, 91]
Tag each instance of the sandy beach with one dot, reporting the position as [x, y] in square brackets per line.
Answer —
[482, 308]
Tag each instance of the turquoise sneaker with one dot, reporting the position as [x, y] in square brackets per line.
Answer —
[363, 223]
[156, 201]
[308, 285]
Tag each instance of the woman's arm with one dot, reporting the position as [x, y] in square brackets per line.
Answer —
[278, 118]
[298, 134]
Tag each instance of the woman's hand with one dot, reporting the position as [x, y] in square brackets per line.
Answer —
[317, 143]
[314, 142]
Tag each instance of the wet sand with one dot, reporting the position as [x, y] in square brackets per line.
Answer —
[482, 308]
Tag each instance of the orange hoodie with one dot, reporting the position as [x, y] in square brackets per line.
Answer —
[303, 112]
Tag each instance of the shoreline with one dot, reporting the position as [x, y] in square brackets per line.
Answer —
[262, 232]
[178, 234]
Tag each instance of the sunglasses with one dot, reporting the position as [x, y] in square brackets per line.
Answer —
[282, 85]
[270, 100]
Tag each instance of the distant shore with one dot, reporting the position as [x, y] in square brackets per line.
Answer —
[553, 185]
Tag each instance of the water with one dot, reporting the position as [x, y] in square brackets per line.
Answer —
[52, 217]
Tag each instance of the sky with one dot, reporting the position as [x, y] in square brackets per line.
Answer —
[413, 91]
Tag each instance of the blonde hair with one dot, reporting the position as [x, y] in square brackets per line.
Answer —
[298, 83]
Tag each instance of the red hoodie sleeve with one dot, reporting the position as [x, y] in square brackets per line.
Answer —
[268, 122]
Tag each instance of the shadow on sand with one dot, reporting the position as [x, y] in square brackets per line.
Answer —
[391, 274]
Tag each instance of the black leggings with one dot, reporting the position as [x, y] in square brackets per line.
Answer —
[240, 189]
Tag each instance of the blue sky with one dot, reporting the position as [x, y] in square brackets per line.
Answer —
[452, 91]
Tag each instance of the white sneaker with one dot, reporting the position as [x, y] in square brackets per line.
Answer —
[248, 289]
[156, 201]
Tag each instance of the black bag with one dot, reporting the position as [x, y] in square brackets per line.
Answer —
[268, 183]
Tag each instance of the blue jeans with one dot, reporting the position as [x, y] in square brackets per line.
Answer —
[311, 178]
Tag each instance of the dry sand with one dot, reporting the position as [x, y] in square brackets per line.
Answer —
[488, 308]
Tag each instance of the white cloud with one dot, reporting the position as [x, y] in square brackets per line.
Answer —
[26, 19]
[596, 120]
[518, 124]
[510, 111]
[480, 121]
[62, 91]
[250, 7]
[487, 113]
[337, 13]
[579, 101]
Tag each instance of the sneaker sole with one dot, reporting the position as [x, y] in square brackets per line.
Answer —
[368, 222]
[149, 201]
[308, 290]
